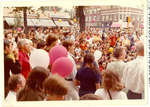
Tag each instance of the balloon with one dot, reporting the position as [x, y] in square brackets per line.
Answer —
[62, 66]
[59, 20]
[39, 57]
[75, 20]
[97, 55]
[88, 37]
[57, 52]
[19, 29]
[110, 50]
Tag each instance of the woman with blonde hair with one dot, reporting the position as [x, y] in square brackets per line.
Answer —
[112, 87]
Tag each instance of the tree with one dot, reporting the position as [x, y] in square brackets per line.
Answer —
[17, 20]
[81, 17]
[24, 10]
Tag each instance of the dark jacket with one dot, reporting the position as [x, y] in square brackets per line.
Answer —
[9, 65]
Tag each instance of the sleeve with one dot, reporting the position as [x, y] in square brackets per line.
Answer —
[108, 66]
[77, 76]
[98, 78]
[15, 67]
[123, 96]
[98, 92]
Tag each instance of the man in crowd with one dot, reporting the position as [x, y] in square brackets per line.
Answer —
[68, 44]
[10, 63]
[15, 83]
[24, 50]
[133, 74]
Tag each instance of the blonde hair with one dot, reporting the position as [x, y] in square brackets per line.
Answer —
[111, 81]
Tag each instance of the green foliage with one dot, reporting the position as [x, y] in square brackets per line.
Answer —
[18, 20]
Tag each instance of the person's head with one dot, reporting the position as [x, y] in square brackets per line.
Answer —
[36, 77]
[90, 96]
[51, 40]
[16, 82]
[55, 87]
[119, 52]
[88, 58]
[41, 44]
[8, 46]
[140, 48]
[9, 36]
[68, 44]
[111, 81]
[24, 45]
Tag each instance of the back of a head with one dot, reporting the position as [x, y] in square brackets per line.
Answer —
[88, 58]
[13, 81]
[55, 86]
[140, 48]
[6, 43]
[51, 39]
[111, 81]
[27, 94]
[118, 52]
[90, 97]
[36, 78]
[41, 44]
[67, 43]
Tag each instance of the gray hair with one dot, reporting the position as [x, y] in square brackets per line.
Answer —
[139, 47]
[22, 42]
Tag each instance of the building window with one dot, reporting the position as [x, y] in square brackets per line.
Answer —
[110, 17]
[120, 16]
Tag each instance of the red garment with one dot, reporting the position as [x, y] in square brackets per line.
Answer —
[83, 46]
[101, 68]
[113, 40]
[25, 65]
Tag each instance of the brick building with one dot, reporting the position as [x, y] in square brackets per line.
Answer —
[104, 16]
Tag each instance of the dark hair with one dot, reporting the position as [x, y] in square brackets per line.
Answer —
[111, 80]
[66, 43]
[6, 43]
[41, 44]
[36, 77]
[89, 59]
[118, 52]
[50, 39]
[13, 81]
[55, 85]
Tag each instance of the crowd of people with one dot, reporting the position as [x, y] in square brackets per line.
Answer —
[95, 64]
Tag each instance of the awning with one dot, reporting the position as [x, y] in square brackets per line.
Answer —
[32, 22]
[40, 22]
[116, 24]
[63, 23]
[126, 25]
[44, 22]
[12, 21]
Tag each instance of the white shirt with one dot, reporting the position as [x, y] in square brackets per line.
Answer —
[114, 94]
[133, 75]
[11, 97]
[117, 66]
[74, 72]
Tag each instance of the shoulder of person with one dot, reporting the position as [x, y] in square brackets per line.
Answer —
[99, 91]
[123, 95]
